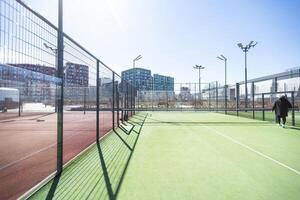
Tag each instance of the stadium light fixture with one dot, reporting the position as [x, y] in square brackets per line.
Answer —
[139, 57]
[136, 59]
[245, 49]
[134, 72]
[240, 45]
[199, 67]
[223, 58]
[220, 58]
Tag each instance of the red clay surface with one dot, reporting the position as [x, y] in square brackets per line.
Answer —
[28, 146]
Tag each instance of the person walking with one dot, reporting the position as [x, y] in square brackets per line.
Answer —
[281, 108]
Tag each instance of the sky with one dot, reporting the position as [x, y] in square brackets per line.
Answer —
[174, 35]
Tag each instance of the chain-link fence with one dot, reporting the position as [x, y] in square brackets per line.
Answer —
[230, 99]
[39, 132]
[57, 98]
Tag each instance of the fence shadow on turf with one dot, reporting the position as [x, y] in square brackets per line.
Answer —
[294, 128]
[102, 169]
[114, 169]
[53, 187]
[114, 178]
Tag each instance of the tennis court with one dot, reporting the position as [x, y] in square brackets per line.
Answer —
[186, 155]
[28, 149]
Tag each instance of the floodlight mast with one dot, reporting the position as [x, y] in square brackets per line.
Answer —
[199, 67]
[136, 59]
[245, 49]
[55, 52]
[134, 71]
[223, 58]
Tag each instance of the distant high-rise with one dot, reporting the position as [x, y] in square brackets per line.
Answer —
[35, 83]
[163, 83]
[138, 76]
[51, 71]
[185, 94]
[76, 75]
[77, 82]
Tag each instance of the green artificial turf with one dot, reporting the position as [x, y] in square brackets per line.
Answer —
[101, 167]
[192, 155]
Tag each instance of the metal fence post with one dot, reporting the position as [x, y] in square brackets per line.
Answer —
[134, 99]
[209, 96]
[195, 97]
[118, 105]
[152, 90]
[293, 108]
[137, 105]
[237, 91]
[19, 104]
[253, 96]
[130, 99]
[275, 84]
[126, 100]
[84, 99]
[135, 96]
[60, 101]
[113, 100]
[263, 107]
[122, 100]
[97, 101]
[225, 99]
[217, 97]
[167, 95]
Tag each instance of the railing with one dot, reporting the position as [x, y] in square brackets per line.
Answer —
[94, 99]
[229, 99]
[82, 99]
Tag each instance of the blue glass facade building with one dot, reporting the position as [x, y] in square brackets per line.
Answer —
[144, 81]
[142, 77]
[163, 83]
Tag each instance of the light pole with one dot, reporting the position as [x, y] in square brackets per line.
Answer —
[55, 51]
[245, 49]
[223, 58]
[199, 67]
[134, 77]
[136, 59]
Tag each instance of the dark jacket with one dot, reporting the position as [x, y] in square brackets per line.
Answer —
[281, 107]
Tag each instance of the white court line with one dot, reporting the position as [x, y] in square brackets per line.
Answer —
[35, 153]
[28, 156]
[253, 150]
